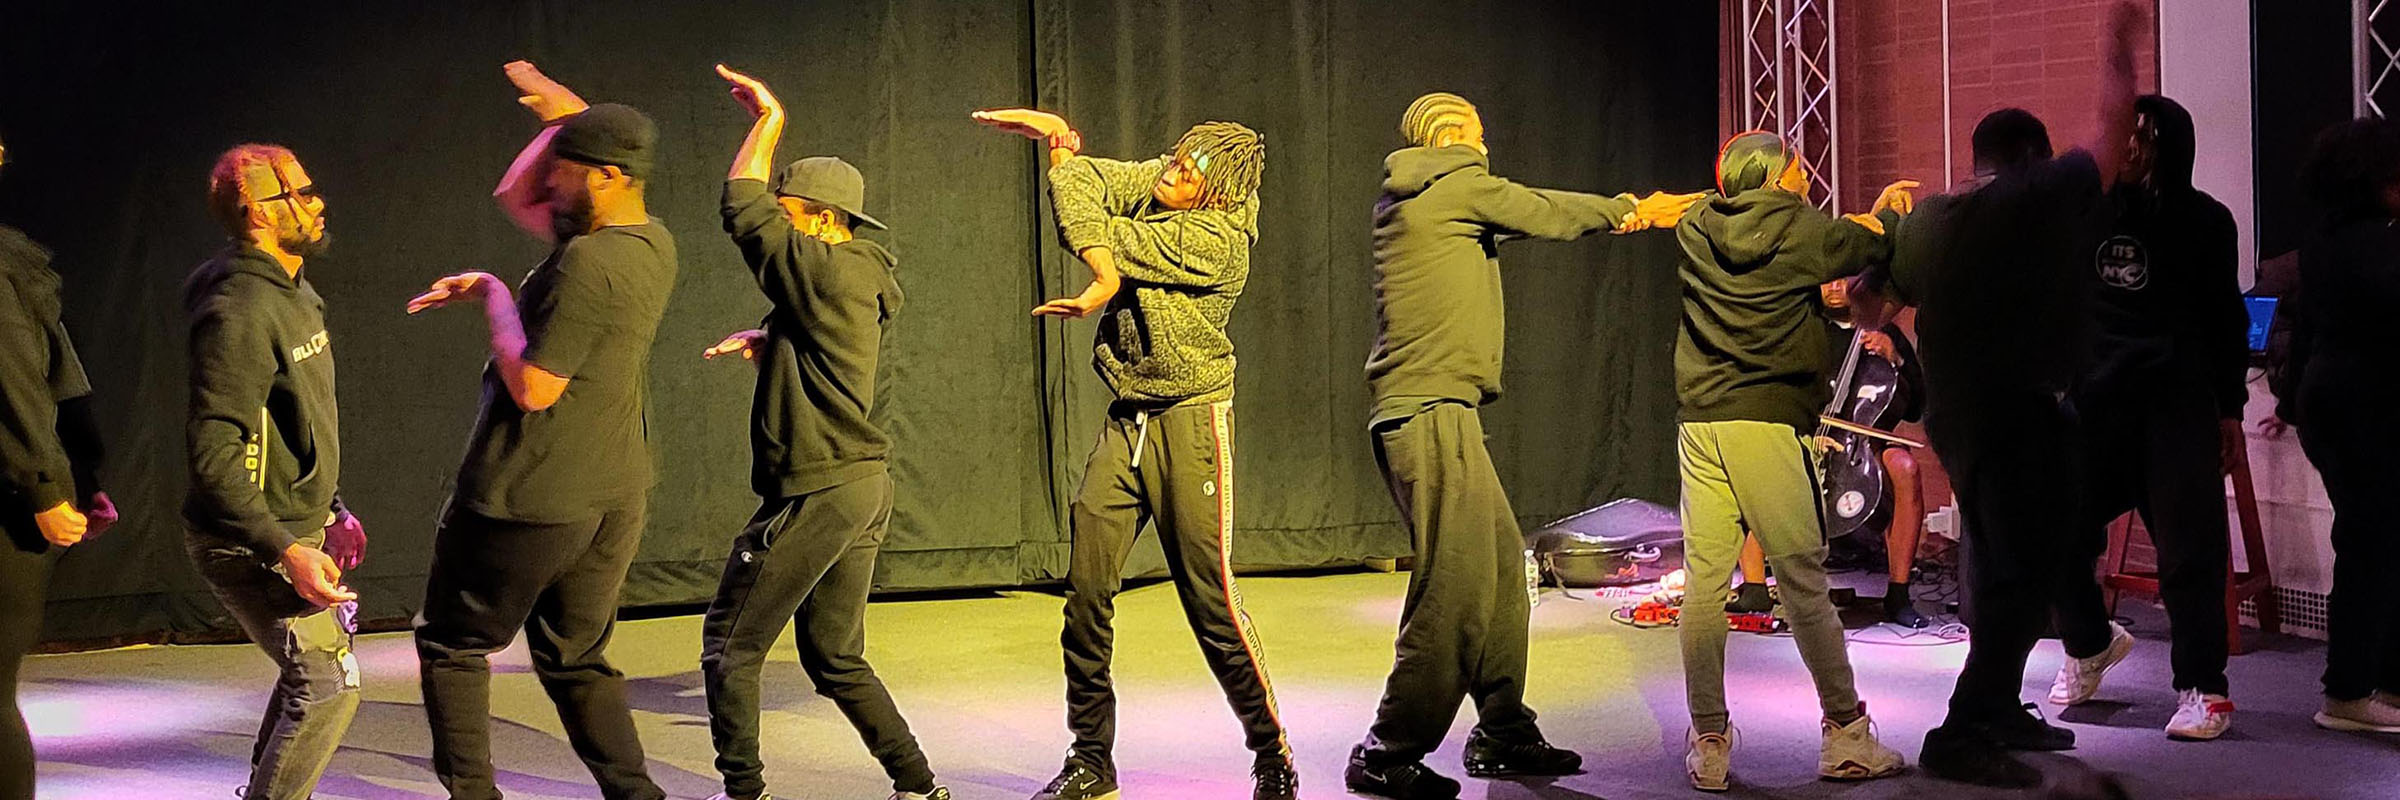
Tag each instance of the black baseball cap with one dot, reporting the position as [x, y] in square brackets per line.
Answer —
[609, 134]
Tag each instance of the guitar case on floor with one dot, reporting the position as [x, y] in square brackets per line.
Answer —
[1625, 541]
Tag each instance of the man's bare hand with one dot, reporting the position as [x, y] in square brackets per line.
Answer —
[315, 576]
[1659, 210]
[752, 94]
[1880, 343]
[62, 524]
[1093, 298]
[1024, 122]
[470, 286]
[2273, 427]
[100, 515]
[546, 98]
[1897, 197]
[744, 342]
[346, 541]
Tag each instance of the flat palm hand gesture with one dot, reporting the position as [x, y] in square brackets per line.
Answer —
[744, 342]
[546, 98]
[462, 286]
[1024, 122]
[752, 94]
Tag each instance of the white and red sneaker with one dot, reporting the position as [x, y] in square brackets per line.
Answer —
[2200, 717]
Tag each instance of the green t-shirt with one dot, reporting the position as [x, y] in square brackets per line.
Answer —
[590, 311]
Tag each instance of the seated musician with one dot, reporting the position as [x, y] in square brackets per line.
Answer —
[1899, 466]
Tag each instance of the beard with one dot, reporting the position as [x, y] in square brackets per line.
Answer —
[297, 242]
[571, 216]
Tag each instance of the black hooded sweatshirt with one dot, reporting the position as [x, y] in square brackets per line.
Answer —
[48, 448]
[1752, 345]
[264, 432]
[1441, 318]
[2167, 300]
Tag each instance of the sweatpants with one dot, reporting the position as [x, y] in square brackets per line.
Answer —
[25, 562]
[1761, 477]
[559, 583]
[317, 682]
[1173, 468]
[2156, 451]
[808, 560]
[1463, 627]
[2012, 463]
[2351, 440]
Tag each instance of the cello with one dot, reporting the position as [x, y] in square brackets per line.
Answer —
[1866, 394]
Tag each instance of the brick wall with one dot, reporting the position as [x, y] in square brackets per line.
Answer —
[2040, 55]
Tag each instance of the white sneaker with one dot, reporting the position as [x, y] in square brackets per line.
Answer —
[2200, 717]
[2363, 714]
[1710, 762]
[1851, 753]
[2079, 678]
[938, 793]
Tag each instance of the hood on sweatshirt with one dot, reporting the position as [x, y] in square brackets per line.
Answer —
[2175, 151]
[1741, 233]
[1408, 172]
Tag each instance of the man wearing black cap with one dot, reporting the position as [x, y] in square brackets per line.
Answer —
[1999, 272]
[549, 505]
[818, 461]
[49, 457]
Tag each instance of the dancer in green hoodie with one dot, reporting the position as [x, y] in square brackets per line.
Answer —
[1436, 361]
[1175, 232]
[1750, 364]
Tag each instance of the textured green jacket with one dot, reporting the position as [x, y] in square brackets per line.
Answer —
[1162, 340]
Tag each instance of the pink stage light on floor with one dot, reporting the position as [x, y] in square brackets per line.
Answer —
[68, 711]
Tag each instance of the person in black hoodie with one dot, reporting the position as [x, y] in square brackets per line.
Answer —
[1750, 380]
[2161, 410]
[50, 455]
[818, 461]
[1998, 270]
[1436, 360]
[267, 526]
[2336, 388]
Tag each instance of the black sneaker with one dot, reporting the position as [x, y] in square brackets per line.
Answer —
[1967, 756]
[1488, 757]
[2026, 731]
[1079, 782]
[1274, 779]
[1751, 598]
[1410, 781]
[1901, 609]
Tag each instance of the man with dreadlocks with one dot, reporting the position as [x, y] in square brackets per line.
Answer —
[1175, 233]
[1436, 360]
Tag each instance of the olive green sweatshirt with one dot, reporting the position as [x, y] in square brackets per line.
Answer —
[1162, 340]
[1751, 345]
[1438, 307]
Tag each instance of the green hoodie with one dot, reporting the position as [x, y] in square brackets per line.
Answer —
[1752, 346]
[1162, 340]
[1438, 307]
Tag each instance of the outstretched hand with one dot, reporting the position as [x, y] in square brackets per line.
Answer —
[462, 286]
[752, 94]
[546, 98]
[1659, 210]
[1024, 122]
[743, 342]
[1897, 197]
[1093, 298]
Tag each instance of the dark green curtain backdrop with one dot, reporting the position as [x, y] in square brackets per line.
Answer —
[112, 116]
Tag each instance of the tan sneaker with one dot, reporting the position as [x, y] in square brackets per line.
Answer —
[1851, 752]
[1710, 761]
[2363, 714]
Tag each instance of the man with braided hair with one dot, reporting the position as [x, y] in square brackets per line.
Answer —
[1174, 233]
[1436, 360]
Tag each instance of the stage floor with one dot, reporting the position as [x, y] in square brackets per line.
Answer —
[979, 679]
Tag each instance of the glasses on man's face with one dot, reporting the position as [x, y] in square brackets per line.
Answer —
[303, 194]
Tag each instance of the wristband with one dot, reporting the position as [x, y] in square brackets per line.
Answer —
[1070, 141]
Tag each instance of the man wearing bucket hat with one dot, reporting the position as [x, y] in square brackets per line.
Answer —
[818, 461]
[1750, 379]
[550, 502]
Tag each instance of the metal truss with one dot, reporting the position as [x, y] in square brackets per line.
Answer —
[2376, 83]
[1788, 50]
